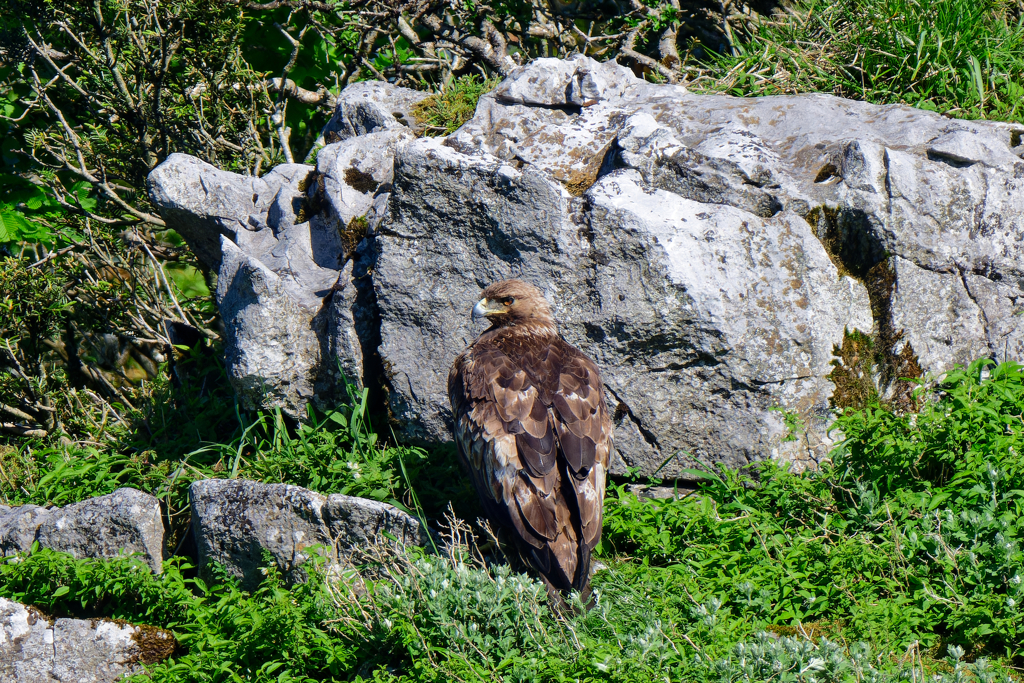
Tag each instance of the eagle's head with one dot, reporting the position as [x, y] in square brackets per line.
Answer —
[515, 303]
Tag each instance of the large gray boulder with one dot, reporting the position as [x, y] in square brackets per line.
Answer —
[235, 522]
[32, 650]
[702, 318]
[709, 252]
[123, 522]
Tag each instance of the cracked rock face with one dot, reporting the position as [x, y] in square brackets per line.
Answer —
[236, 521]
[291, 285]
[125, 521]
[74, 650]
[707, 251]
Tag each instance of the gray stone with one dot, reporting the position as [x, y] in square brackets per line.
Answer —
[272, 354]
[235, 521]
[73, 650]
[355, 171]
[370, 107]
[938, 316]
[202, 202]
[356, 522]
[283, 246]
[125, 521]
[573, 82]
[18, 527]
[703, 317]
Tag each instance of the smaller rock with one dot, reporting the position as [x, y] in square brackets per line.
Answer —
[370, 107]
[201, 202]
[235, 521]
[353, 171]
[125, 521]
[74, 650]
[574, 82]
[661, 492]
[18, 527]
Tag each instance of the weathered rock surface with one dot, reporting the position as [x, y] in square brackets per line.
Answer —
[370, 107]
[291, 287]
[73, 650]
[235, 521]
[18, 527]
[123, 522]
[707, 251]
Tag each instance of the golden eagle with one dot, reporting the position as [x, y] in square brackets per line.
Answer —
[532, 428]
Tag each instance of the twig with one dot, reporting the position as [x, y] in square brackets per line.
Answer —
[628, 50]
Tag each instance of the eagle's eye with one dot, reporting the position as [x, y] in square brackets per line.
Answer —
[509, 300]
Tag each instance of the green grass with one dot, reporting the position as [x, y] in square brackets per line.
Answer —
[444, 112]
[964, 58]
[898, 560]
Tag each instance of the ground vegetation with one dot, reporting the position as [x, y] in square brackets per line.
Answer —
[898, 559]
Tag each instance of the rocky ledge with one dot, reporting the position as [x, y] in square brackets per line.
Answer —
[34, 649]
[712, 253]
[235, 522]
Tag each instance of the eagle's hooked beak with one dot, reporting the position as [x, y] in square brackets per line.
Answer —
[486, 307]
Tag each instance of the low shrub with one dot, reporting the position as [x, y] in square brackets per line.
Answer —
[445, 111]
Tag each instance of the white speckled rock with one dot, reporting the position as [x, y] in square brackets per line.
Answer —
[291, 290]
[125, 521]
[18, 527]
[713, 217]
[73, 650]
[370, 107]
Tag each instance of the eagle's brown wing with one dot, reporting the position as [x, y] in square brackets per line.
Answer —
[532, 427]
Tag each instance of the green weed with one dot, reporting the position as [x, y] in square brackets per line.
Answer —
[444, 112]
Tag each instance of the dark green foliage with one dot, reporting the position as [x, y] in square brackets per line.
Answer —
[965, 446]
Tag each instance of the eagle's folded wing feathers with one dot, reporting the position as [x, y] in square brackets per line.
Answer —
[511, 430]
